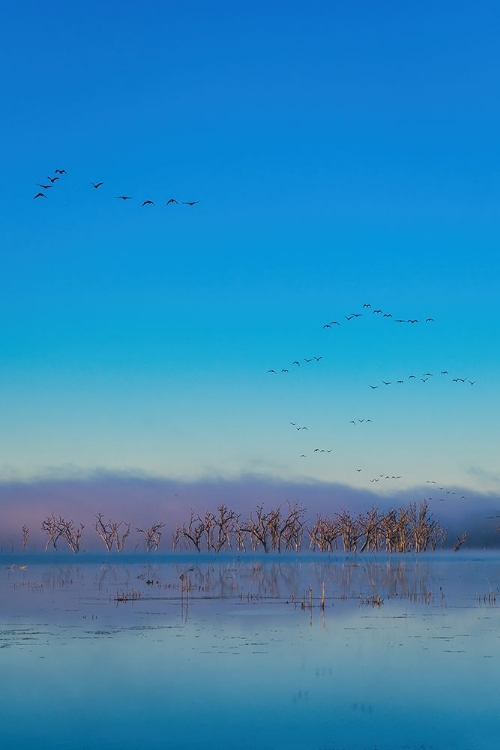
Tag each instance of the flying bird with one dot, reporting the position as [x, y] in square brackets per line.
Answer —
[148, 203]
[97, 184]
[39, 195]
[189, 203]
[45, 187]
[124, 197]
[172, 200]
[429, 320]
[52, 179]
[296, 363]
[60, 171]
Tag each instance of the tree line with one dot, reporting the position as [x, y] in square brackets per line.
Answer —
[405, 529]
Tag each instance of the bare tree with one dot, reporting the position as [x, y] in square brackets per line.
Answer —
[26, 536]
[350, 530]
[192, 533]
[152, 536]
[460, 540]
[219, 527]
[259, 528]
[110, 534]
[291, 528]
[59, 528]
[370, 526]
[324, 534]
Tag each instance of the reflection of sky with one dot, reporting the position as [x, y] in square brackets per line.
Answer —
[247, 672]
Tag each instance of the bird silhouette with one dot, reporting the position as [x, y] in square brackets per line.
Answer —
[45, 187]
[39, 195]
[189, 203]
[172, 200]
[60, 171]
[53, 179]
[97, 184]
[124, 197]
[148, 203]
[429, 320]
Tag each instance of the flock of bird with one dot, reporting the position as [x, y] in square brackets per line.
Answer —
[424, 377]
[367, 306]
[58, 173]
[348, 318]
[354, 316]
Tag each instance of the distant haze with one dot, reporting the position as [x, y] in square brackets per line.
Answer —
[142, 501]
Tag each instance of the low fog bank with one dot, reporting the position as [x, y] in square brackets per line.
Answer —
[143, 501]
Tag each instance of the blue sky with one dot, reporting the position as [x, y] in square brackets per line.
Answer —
[342, 154]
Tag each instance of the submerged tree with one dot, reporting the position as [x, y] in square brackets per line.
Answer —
[59, 528]
[26, 536]
[190, 533]
[152, 536]
[110, 533]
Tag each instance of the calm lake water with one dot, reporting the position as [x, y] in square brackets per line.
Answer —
[125, 653]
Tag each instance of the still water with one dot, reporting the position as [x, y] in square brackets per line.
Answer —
[125, 653]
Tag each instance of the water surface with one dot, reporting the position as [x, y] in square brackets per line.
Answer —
[225, 651]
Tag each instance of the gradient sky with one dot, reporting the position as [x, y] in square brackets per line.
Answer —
[342, 154]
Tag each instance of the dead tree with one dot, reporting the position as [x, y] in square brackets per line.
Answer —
[152, 536]
[369, 524]
[425, 530]
[292, 528]
[219, 527]
[460, 540]
[59, 528]
[259, 528]
[110, 534]
[324, 534]
[192, 533]
[26, 536]
[350, 530]
[387, 528]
